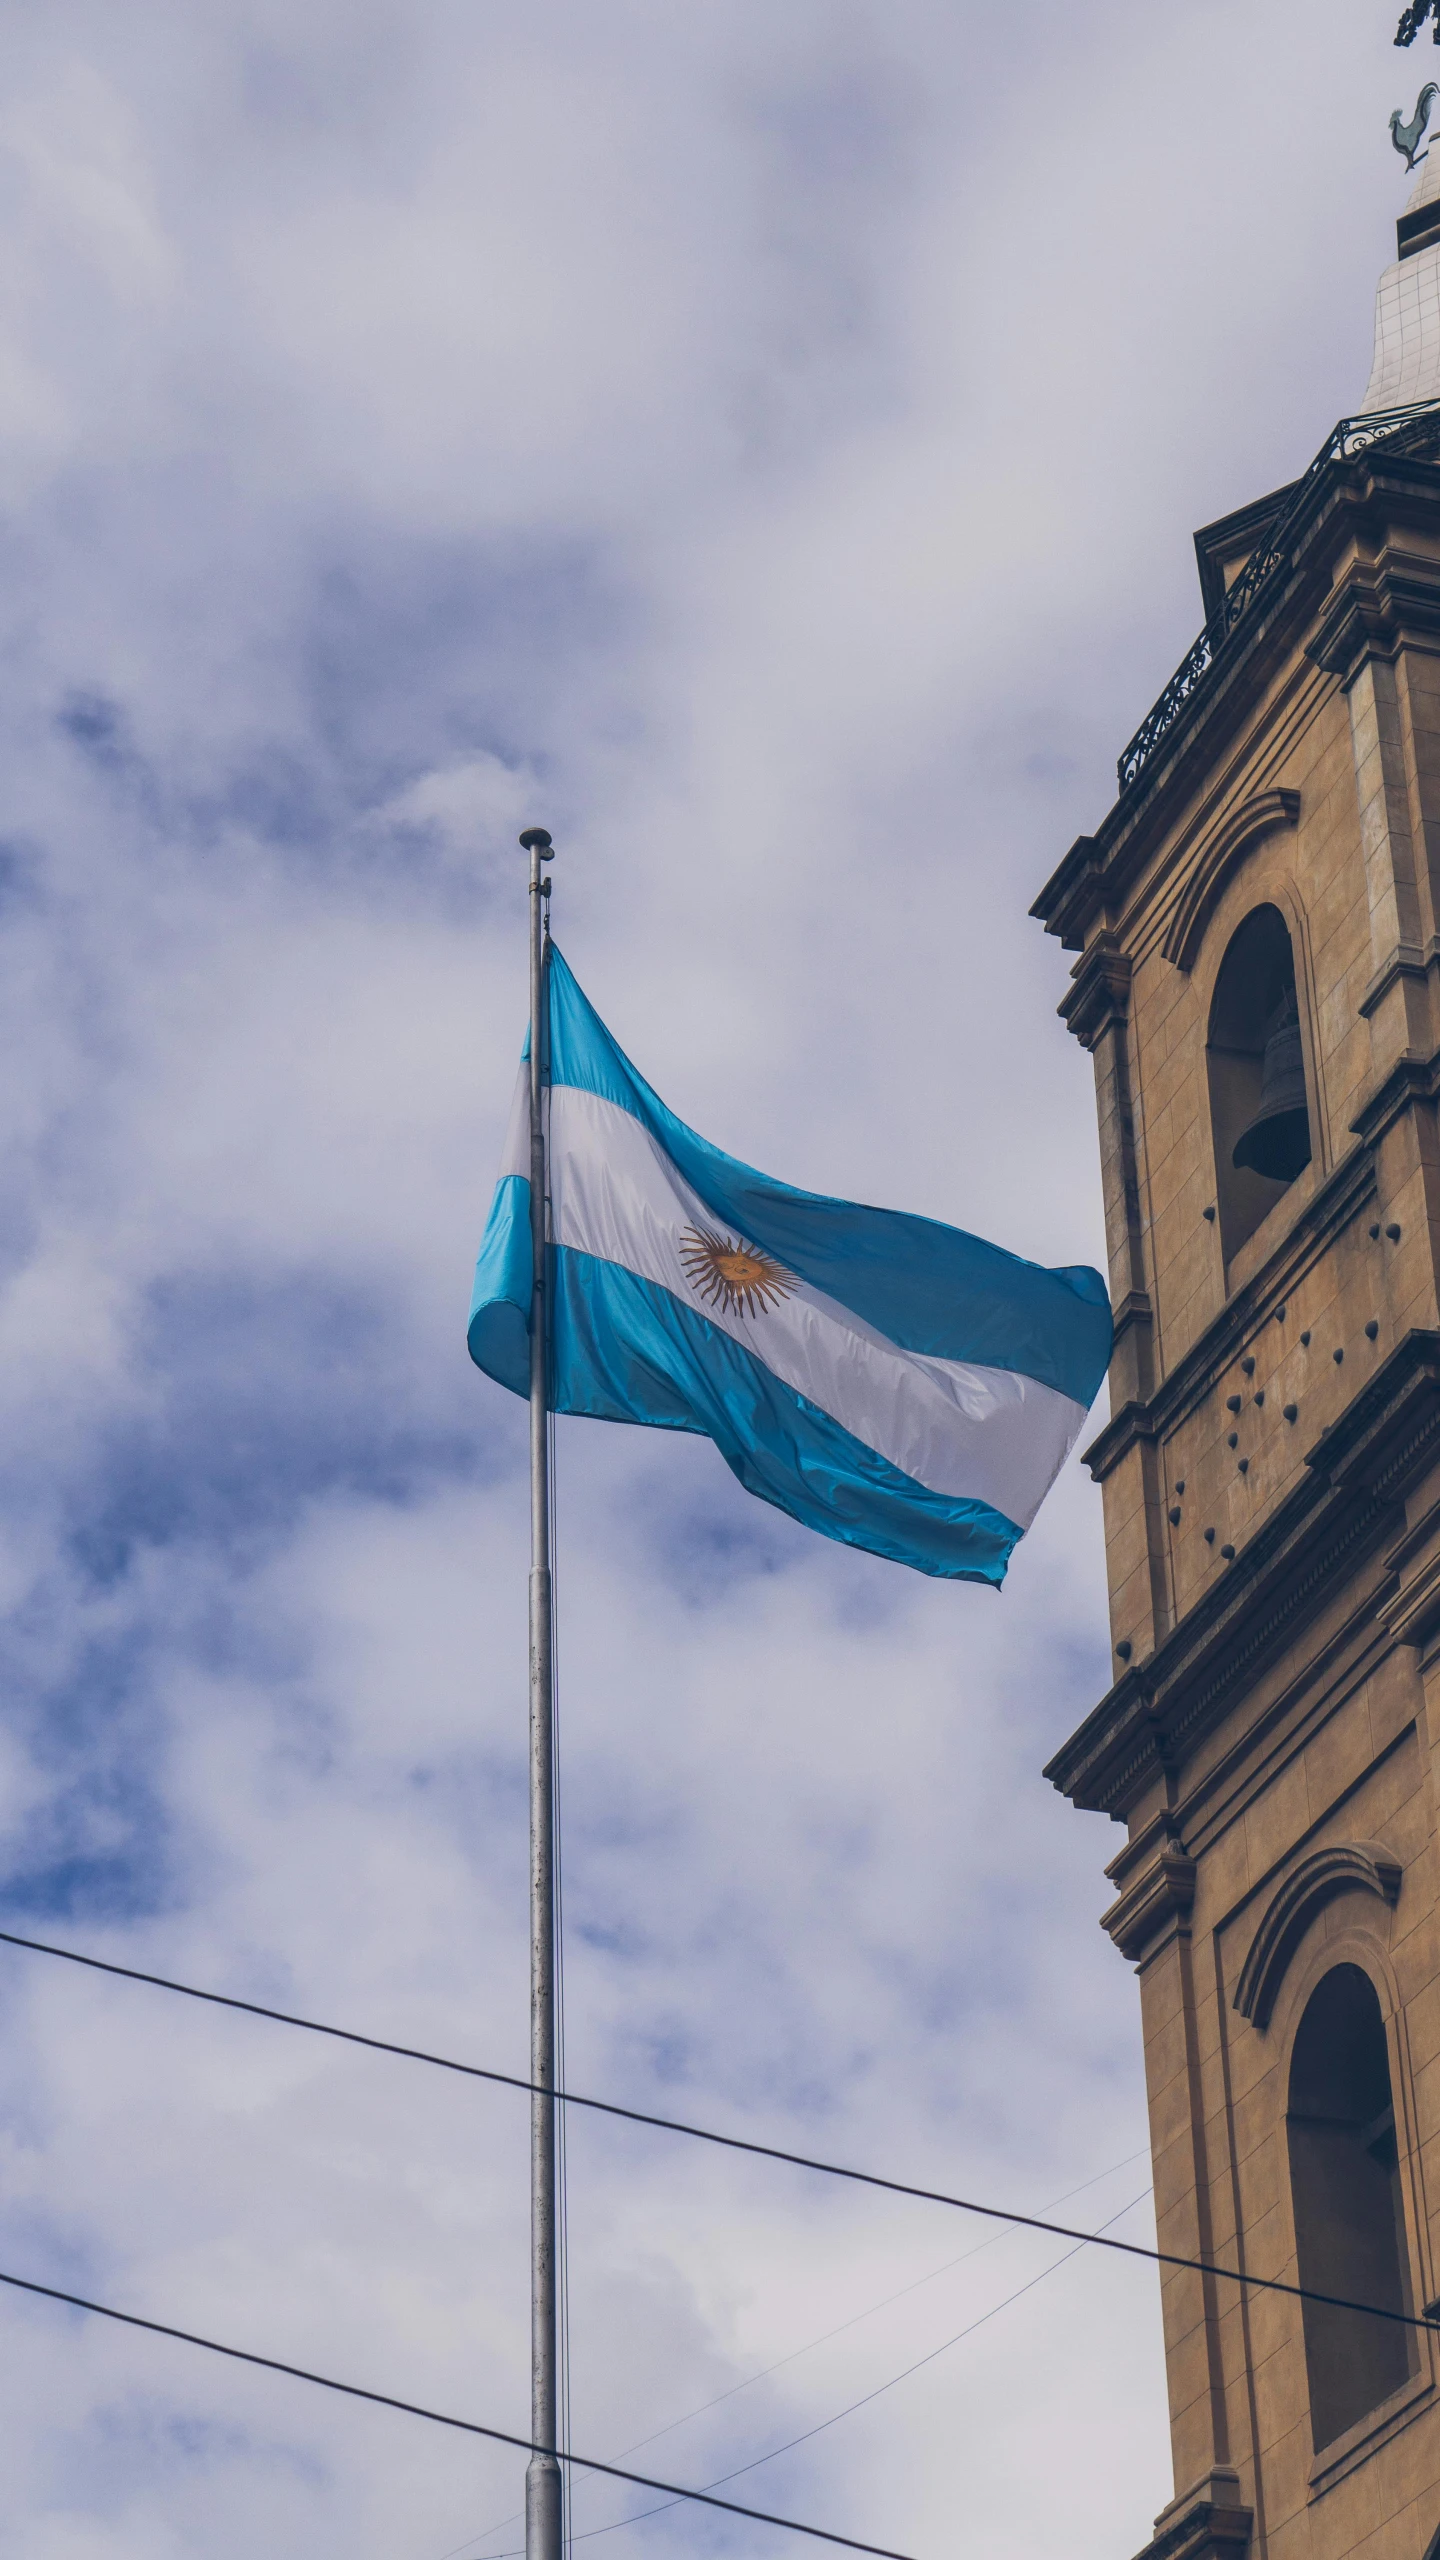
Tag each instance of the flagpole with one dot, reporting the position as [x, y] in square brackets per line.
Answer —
[543, 2502]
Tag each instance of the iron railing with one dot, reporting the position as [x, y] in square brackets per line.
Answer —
[1415, 429]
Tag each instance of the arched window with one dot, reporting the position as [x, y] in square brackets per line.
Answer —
[1349, 2220]
[1258, 1109]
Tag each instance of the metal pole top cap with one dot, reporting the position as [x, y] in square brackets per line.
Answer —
[537, 840]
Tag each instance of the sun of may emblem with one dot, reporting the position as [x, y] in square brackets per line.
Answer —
[732, 1275]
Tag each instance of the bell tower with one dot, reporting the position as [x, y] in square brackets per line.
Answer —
[1257, 921]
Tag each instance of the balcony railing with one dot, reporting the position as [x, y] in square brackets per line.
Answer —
[1414, 430]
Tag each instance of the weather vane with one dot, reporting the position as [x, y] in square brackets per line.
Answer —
[1406, 137]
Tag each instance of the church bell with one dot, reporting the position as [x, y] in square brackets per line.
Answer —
[1277, 1141]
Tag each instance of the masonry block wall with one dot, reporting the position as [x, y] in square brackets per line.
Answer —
[1271, 1481]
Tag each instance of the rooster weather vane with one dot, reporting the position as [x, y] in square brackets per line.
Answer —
[1406, 137]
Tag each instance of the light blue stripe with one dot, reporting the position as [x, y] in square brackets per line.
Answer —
[626, 1350]
[927, 1287]
[499, 1329]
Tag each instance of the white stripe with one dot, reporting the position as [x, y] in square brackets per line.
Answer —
[516, 1155]
[962, 1430]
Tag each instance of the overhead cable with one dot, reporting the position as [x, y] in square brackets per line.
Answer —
[739, 2142]
[487, 2533]
[758, 2461]
[439, 2418]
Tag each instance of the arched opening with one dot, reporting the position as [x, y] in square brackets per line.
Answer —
[1258, 1108]
[1349, 2218]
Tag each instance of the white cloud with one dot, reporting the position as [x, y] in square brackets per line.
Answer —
[763, 449]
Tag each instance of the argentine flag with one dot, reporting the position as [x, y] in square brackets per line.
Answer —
[887, 1380]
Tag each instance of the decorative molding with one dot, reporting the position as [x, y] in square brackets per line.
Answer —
[1409, 1081]
[1343, 1866]
[1073, 893]
[1376, 612]
[1370, 499]
[1131, 1310]
[1162, 1895]
[1100, 995]
[1134, 1422]
[1230, 541]
[1204, 2532]
[1407, 960]
[1346, 1503]
[1389, 1430]
[1413, 1611]
[1207, 2523]
[1409, 431]
[1225, 851]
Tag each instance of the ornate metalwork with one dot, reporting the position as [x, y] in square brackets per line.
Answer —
[1413, 430]
[1413, 18]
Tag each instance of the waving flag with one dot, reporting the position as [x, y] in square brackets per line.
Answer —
[887, 1380]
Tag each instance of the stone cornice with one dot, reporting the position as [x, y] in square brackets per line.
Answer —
[1410, 1080]
[1412, 1612]
[1204, 2532]
[1376, 609]
[1134, 1422]
[1358, 500]
[1206, 2523]
[1159, 1898]
[1133, 1310]
[1076, 883]
[1346, 1503]
[1100, 994]
[1407, 960]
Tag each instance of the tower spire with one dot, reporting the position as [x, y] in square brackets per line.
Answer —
[1406, 366]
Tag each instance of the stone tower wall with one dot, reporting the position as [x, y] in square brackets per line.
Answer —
[1269, 1743]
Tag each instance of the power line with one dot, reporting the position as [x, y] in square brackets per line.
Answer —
[793, 2354]
[856, 2317]
[739, 2142]
[595, 2532]
[439, 2418]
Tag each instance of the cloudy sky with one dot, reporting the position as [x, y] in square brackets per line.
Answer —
[761, 444]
